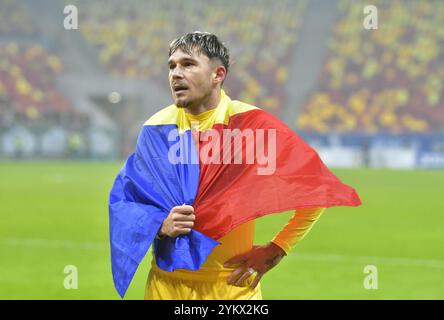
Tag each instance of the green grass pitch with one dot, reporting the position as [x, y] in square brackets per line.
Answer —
[54, 214]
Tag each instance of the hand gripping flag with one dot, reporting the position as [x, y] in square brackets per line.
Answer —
[241, 164]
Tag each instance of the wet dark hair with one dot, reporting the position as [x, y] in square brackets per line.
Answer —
[202, 42]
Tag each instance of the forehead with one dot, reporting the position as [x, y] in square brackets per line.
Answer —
[180, 55]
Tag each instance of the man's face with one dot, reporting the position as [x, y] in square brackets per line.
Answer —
[190, 78]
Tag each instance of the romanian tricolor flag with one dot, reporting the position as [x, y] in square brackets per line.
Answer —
[238, 164]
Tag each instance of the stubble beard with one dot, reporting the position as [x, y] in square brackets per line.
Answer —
[182, 103]
[188, 103]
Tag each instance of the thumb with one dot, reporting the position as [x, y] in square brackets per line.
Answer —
[239, 259]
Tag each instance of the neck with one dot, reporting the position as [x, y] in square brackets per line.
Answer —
[209, 102]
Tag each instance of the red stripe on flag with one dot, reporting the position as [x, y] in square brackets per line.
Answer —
[230, 194]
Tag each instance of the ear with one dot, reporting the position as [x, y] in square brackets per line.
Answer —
[219, 74]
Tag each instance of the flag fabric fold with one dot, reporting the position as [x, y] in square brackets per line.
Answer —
[299, 180]
[144, 192]
[225, 188]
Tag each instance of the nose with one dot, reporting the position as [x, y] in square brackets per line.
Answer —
[176, 72]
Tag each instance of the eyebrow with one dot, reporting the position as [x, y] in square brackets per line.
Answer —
[184, 59]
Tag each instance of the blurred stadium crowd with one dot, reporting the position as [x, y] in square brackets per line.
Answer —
[388, 81]
[131, 39]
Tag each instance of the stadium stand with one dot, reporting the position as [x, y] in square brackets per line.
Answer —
[385, 80]
[372, 87]
[130, 40]
[27, 75]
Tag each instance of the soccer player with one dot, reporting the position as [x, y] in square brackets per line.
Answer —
[198, 64]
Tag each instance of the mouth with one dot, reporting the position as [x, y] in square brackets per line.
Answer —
[179, 88]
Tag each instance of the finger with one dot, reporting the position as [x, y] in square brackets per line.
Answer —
[256, 281]
[247, 274]
[185, 209]
[183, 217]
[184, 224]
[235, 275]
[180, 231]
[240, 258]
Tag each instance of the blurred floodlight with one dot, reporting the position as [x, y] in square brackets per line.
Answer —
[114, 97]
